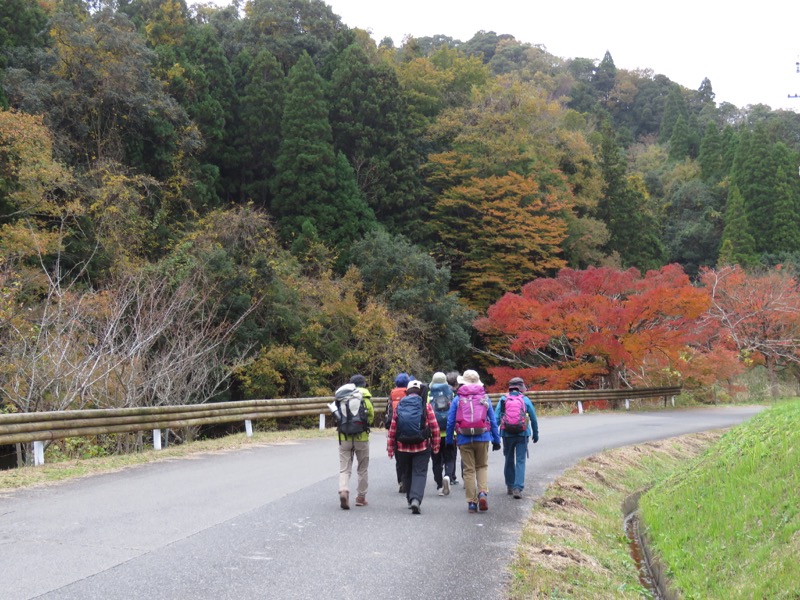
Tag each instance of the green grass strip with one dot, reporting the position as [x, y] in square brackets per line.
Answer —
[727, 524]
[573, 545]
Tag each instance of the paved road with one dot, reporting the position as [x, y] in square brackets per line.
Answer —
[265, 523]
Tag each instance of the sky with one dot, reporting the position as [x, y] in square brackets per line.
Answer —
[748, 50]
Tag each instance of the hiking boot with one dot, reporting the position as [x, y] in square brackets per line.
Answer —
[402, 489]
[517, 493]
[483, 501]
[344, 500]
[361, 501]
[415, 506]
[445, 486]
[509, 491]
[472, 507]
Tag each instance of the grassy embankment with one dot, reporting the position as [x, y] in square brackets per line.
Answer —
[728, 506]
[728, 525]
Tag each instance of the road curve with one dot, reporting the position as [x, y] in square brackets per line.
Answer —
[265, 522]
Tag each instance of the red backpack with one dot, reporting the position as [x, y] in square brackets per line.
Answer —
[472, 414]
[395, 396]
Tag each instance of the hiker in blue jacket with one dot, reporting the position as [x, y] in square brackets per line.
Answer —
[440, 396]
[517, 418]
[472, 418]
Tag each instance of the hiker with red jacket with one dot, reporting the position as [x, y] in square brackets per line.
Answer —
[472, 419]
[517, 417]
[413, 434]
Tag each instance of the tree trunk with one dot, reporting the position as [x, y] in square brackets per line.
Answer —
[772, 377]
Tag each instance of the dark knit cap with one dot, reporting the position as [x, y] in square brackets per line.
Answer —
[358, 380]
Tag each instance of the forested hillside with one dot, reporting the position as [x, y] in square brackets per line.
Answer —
[258, 201]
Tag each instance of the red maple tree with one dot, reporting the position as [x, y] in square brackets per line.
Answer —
[758, 314]
[598, 327]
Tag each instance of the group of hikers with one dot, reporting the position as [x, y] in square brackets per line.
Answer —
[435, 422]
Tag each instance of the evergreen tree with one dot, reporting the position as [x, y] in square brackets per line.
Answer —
[786, 219]
[738, 245]
[693, 224]
[213, 114]
[754, 175]
[705, 94]
[679, 141]
[260, 113]
[711, 158]
[648, 106]
[730, 143]
[312, 184]
[22, 24]
[674, 109]
[604, 77]
[786, 228]
[287, 28]
[634, 231]
[372, 127]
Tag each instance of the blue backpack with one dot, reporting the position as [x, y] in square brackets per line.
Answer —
[412, 420]
[440, 396]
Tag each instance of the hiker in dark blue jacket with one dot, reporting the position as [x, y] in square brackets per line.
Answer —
[515, 441]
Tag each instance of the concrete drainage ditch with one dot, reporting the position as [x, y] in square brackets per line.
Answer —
[652, 573]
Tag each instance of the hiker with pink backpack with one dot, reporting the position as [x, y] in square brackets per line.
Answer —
[517, 418]
[471, 419]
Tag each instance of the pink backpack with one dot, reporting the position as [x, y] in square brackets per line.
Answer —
[472, 414]
[514, 420]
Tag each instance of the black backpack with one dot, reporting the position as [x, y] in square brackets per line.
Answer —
[349, 423]
[412, 420]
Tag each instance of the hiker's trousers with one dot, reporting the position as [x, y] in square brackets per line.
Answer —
[414, 472]
[515, 451]
[348, 449]
[445, 460]
[475, 459]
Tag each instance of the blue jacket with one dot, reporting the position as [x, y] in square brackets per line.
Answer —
[529, 408]
[489, 436]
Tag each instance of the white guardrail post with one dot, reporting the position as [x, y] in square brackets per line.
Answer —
[627, 404]
[38, 453]
[580, 407]
[248, 427]
[321, 421]
[157, 439]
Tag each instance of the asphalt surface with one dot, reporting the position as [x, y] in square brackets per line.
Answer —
[265, 522]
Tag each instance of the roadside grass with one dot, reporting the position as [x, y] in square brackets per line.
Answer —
[573, 545]
[60, 470]
[727, 525]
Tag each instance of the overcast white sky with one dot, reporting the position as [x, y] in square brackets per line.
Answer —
[748, 50]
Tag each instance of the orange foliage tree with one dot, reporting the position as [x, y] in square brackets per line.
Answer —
[501, 233]
[513, 180]
[758, 314]
[597, 328]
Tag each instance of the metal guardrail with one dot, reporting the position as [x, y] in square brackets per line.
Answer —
[45, 426]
